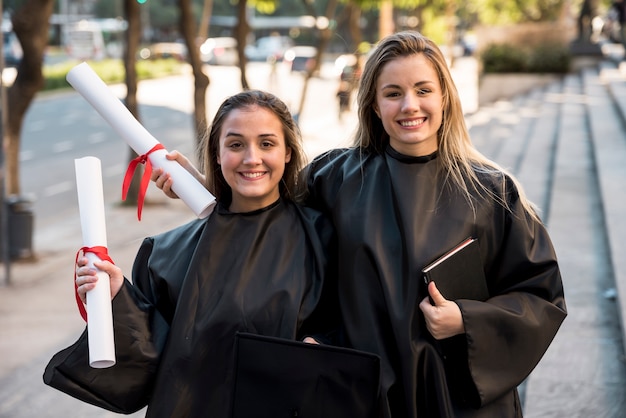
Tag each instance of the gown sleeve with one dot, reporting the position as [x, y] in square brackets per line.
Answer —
[140, 332]
[506, 336]
[324, 322]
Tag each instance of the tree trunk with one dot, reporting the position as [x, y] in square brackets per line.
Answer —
[324, 38]
[201, 80]
[132, 12]
[30, 24]
[205, 22]
[354, 22]
[241, 34]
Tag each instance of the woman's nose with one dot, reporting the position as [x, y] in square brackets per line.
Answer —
[410, 103]
[252, 156]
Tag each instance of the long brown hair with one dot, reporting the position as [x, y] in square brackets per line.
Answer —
[209, 146]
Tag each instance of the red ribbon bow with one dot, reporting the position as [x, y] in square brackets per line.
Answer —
[102, 254]
[145, 180]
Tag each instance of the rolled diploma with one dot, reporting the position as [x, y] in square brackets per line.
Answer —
[92, 220]
[96, 92]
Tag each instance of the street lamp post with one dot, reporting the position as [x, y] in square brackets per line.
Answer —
[4, 223]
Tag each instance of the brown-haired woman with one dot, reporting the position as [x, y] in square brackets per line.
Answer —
[257, 264]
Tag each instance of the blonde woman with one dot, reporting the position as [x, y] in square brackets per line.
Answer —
[411, 189]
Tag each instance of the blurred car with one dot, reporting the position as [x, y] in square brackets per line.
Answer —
[164, 50]
[301, 58]
[219, 51]
[346, 66]
[12, 49]
[269, 48]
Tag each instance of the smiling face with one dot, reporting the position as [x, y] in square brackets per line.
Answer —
[252, 156]
[409, 102]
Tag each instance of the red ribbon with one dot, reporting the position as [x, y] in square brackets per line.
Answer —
[145, 180]
[103, 254]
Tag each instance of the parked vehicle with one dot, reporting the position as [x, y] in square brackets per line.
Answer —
[85, 42]
[269, 48]
[12, 49]
[164, 50]
[219, 51]
[301, 58]
[95, 39]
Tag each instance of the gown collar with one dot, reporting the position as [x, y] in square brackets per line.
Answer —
[408, 159]
[222, 209]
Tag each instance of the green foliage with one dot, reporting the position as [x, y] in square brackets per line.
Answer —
[550, 58]
[435, 26]
[110, 71]
[501, 12]
[267, 7]
[505, 58]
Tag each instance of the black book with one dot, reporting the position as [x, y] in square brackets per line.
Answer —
[459, 273]
[275, 377]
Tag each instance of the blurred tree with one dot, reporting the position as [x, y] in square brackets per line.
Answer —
[516, 11]
[588, 10]
[109, 8]
[205, 22]
[132, 13]
[241, 32]
[325, 28]
[187, 27]
[30, 23]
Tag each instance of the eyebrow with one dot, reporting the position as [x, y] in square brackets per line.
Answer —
[418, 84]
[239, 135]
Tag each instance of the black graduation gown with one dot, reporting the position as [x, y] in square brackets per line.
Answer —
[194, 288]
[392, 217]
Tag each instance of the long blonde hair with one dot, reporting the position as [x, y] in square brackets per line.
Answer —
[461, 160]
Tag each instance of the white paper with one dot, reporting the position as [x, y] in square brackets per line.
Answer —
[92, 221]
[96, 92]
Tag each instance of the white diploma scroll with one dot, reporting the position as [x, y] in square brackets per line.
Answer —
[96, 92]
[92, 220]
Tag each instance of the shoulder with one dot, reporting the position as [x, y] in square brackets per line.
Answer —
[306, 214]
[314, 222]
[336, 159]
[497, 181]
[338, 164]
[178, 237]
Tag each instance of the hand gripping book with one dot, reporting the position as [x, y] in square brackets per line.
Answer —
[459, 273]
[276, 377]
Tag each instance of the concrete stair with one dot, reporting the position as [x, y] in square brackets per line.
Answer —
[566, 143]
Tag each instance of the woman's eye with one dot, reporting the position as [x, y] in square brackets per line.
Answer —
[234, 145]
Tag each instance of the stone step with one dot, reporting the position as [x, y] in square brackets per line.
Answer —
[590, 338]
[608, 132]
[564, 141]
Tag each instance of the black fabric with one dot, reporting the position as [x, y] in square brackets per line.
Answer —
[393, 215]
[194, 288]
[277, 378]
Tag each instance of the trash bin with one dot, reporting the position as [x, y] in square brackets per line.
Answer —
[20, 221]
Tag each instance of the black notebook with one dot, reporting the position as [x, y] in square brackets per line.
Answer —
[275, 377]
[459, 273]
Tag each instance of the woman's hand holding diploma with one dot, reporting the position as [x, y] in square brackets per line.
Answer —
[86, 277]
[96, 92]
[163, 179]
